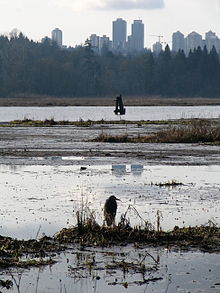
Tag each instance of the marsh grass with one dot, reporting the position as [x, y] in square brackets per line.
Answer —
[195, 131]
[89, 233]
[80, 122]
[171, 183]
[113, 138]
[36, 123]
[45, 101]
[38, 252]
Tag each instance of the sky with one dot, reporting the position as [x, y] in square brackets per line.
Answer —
[78, 19]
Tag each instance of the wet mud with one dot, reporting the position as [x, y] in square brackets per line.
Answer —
[43, 145]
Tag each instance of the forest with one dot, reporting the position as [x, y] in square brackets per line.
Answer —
[34, 68]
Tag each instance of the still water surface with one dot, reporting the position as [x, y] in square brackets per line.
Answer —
[106, 113]
[44, 199]
[177, 272]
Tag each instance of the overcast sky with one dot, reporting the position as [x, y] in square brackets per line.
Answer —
[80, 18]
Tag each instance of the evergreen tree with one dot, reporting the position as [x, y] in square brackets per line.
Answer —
[27, 67]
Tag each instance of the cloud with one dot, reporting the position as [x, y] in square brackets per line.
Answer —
[111, 4]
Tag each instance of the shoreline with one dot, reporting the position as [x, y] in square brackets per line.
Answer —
[46, 101]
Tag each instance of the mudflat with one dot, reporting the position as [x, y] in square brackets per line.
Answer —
[26, 143]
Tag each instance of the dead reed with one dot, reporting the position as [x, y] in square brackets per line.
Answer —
[88, 232]
[195, 131]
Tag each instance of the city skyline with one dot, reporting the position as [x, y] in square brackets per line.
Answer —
[161, 17]
[134, 43]
[122, 43]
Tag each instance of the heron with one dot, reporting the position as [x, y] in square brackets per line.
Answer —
[110, 209]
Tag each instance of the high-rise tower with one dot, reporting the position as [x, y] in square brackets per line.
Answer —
[136, 40]
[119, 34]
[193, 41]
[211, 40]
[178, 42]
[57, 37]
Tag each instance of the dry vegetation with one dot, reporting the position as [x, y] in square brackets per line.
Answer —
[195, 131]
[88, 232]
[47, 101]
[82, 123]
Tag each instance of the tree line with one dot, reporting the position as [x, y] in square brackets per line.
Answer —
[28, 67]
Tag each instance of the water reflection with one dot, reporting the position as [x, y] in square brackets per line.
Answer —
[118, 170]
[165, 271]
[10, 167]
[137, 170]
[122, 170]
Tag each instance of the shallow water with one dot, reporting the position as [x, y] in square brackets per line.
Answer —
[175, 271]
[44, 199]
[106, 113]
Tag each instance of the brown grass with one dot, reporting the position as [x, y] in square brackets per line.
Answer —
[87, 232]
[46, 101]
[113, 138]
[196, 131]
[90, 233]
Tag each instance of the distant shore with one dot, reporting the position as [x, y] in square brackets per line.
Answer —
[47, 101]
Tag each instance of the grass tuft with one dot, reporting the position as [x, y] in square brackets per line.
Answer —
[88, 232]
[195, 131]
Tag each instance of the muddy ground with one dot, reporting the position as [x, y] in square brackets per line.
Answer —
[45, 145]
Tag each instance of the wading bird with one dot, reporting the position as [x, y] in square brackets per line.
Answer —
[110, 209]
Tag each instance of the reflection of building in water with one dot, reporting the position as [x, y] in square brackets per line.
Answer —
[137, 169]
[13, 168]
[120, 170]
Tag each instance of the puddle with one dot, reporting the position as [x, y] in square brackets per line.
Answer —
[44, 199]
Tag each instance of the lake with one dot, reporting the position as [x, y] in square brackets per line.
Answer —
[106, 113]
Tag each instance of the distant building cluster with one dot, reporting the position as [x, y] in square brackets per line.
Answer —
[120, 43]
[193, 41]
[56, 37]
[133, 44]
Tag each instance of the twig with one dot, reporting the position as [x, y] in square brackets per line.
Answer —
[38, 278]
[17, 284]
[38, 231]
[148, 254]
[137, 213]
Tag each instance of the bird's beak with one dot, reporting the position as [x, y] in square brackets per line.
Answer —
[118, 199]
